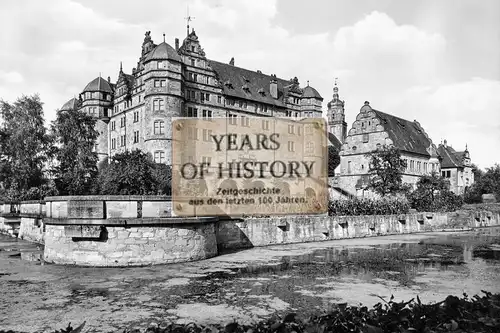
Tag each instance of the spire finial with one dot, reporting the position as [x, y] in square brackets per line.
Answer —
[121, 67]
[336, 80]
[466, 147]
[163, 37]
[308, 83]
[188, 19]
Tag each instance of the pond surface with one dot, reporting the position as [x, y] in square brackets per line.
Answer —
[246, 285]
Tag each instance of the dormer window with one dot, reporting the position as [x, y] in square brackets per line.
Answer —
[228, 84]
[246, 88]
[262, 92]
[192, 49]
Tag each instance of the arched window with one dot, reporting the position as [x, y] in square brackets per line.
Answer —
[159, 127]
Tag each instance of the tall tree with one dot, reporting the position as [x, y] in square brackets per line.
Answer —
[129, 173]
[23, 145]
[75, 167]
[386, 171]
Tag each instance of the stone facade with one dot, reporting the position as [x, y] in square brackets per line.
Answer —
[132, 246]
[372, 130]
[296, 229]
[137, 110]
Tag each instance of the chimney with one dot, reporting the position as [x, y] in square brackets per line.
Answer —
[177, 44]
[445, 143]
[109, 79]
[273, 87]
[231, 62]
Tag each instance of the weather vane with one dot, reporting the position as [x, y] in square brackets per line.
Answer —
[188, 19]
[336, 80]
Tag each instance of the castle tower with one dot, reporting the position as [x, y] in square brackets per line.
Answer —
[336, 117]
[311, 102]
[163, 99]
[97, 101]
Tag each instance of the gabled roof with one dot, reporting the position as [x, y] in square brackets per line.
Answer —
[451, 158]
[406, 135]
[163, 51]
[71, 105]
[246, 84]
[99, 84]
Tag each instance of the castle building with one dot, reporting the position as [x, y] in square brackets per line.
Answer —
[456, 168]
[136, 112]
[373, 129]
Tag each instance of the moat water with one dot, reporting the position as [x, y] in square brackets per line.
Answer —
[246, 285]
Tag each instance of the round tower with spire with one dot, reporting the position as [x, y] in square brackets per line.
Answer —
[336, 116]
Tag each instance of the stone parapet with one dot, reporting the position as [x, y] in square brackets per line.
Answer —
[250, 232]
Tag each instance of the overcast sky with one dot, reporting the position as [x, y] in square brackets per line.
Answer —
[434, 61]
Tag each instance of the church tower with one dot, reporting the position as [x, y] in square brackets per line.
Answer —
[336, 117]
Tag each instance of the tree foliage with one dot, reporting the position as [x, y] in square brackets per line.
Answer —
[433, 194]
[133, 173]
[333, 160]
[386, 168]
[24, 144]
[484, 182]
[76, 161]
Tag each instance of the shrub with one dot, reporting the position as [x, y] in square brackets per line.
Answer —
[365, 206]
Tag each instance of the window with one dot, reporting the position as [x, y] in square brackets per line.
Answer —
[207, 97]
[122, 140]
[291, 129]
[122, 122]
[159, 127]
[136, 136]
[195, 77]
[193, 95]
[113, 125]
[207, 135]
[192, 112]
[158, 104]
[310, 148]
[291, 146]
[136, 116]
[425, 167]
[419, 164]
[349, 167]
[219, 99]
[233, 119]
[159, 156]
[245, 121]
[265, 125]
[113, 143]
[207, 113]
[192, 60]
[192, 133]
[365, 137]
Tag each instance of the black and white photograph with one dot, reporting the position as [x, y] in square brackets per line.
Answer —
[249, 166]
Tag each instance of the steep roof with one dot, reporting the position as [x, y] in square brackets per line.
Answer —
[310, 92]
[451, 158]
[246, 84]
[99, 84]
[406, 135]
[71, 105]
[334, 141]
[163, 51]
